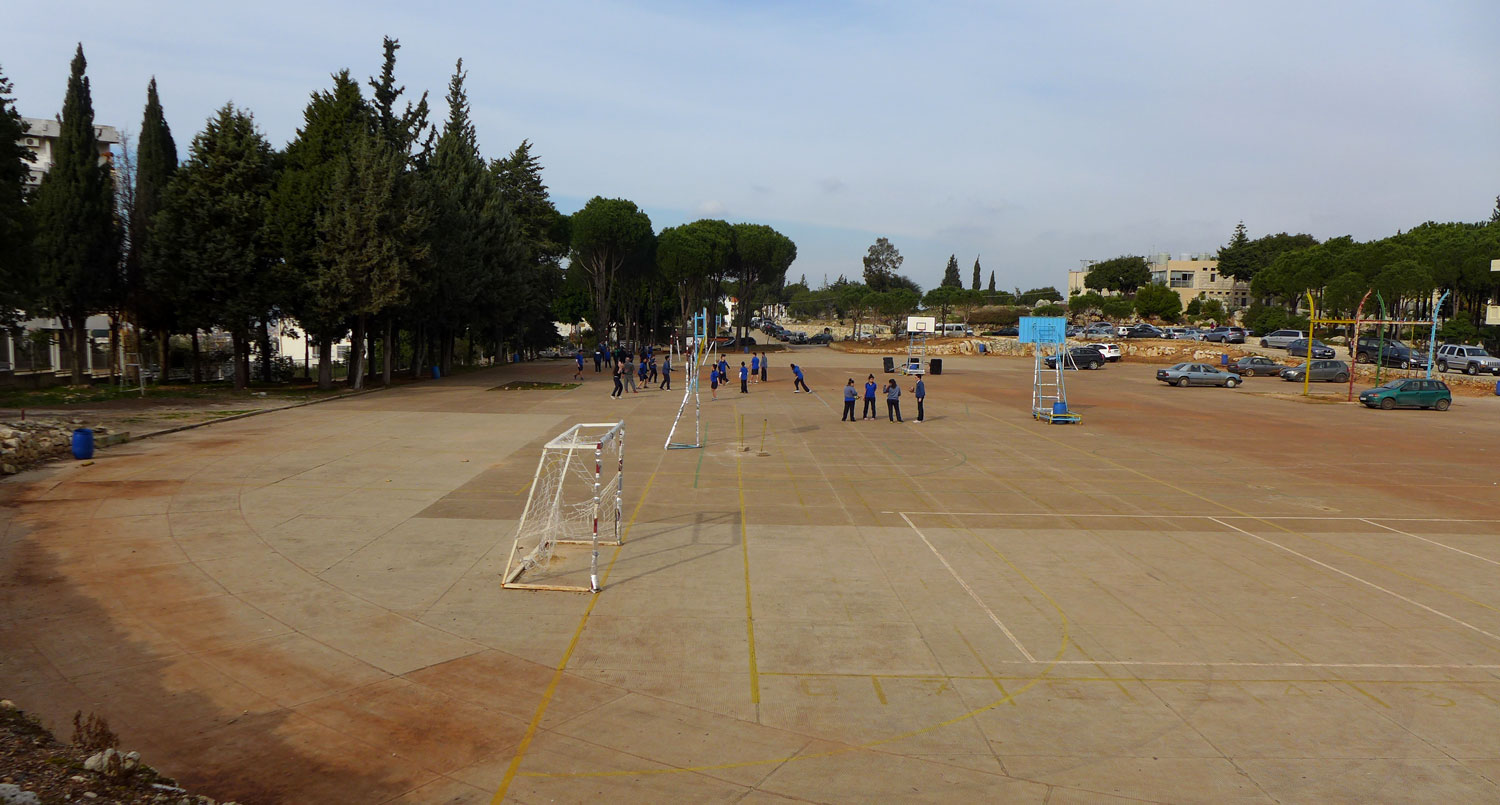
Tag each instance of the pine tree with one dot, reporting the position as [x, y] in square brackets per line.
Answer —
[1495, 214]
[16, 267]
[77, 242]
[974, 286]
[333, 121]
[210, 235]
[950, 274]
[992, 282]
[155, 163]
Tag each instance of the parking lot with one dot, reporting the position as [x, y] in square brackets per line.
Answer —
[1197, 594]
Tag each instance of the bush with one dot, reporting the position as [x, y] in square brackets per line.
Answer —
[1265, 318]
[1458, 331]
[1117, 307]
[1049, 310]
[1158, 301]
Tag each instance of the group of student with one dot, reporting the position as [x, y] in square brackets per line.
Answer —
[892, 399]
[758, 371]
[625, 370]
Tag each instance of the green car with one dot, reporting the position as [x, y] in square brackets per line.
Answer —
[1408, 393]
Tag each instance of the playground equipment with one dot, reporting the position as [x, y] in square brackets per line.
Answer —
[917, 330]
[1049, 395]
[1359, 321]
[702, 352]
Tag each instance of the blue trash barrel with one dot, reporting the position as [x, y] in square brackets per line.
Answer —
[1223, 358]
[1497, 388]
[436, 373]
[83, 443]
[1059, 408]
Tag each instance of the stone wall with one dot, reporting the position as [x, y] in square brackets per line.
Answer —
[30, 442]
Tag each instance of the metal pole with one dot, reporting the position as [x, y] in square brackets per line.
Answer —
[1432, 342]
[1380, 342]
[1354, 345]
[1312, 318]
[594, 557]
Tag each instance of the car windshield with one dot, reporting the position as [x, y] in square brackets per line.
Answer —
[1182, 367]
[1391, 384]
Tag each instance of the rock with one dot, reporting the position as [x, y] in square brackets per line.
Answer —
[78, 778]
[7, 704]
[90, 795]
[110, 763]
[130, 762]
[11, 794]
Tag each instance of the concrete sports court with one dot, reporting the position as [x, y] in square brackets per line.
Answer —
[1195, 595]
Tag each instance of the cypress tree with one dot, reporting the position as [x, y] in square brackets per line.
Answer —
[77, 241]
[16, 277]
[155, 162]
[975, 285]
[992, 282]
[950, 274]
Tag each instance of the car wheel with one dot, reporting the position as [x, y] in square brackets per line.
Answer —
[1182, 382]
[1387, 404]
[1341, 378]
[1471, 369]
[1362, 357]
[1265, 343]
[1231, 383]
[1095, 364]
[1442, 405]
[1442, 366]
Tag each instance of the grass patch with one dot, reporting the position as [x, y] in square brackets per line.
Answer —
[68, 396]
[534, 385]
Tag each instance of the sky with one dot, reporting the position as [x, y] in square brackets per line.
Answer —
[1030, 135]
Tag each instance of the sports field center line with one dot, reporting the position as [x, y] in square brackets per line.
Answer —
[1204, 517]
[970, 590]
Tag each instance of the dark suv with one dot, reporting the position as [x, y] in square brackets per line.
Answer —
[1391, 353]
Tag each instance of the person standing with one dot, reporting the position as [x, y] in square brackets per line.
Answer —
[723, 370]
[578, 356]
[652, 375]
[744, 379]
[598, 358]
[666, 373]
[764, 365]
[869, 409]
[754, 368]
[713, 382]
[920, 392]
[628, 370]
[619, 386]
[893, 401]
[850, 394]
[799, 384]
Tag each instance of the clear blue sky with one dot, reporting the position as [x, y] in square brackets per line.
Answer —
[1032, 134]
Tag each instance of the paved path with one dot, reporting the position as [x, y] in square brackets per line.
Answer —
[1200, 594]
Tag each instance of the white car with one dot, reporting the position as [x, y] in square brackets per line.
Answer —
[1111, 351]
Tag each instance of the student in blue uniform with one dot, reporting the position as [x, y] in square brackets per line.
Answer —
[666, 373]
[893, 401]
[578, 356]
[869, 409]
[754, 368]
[765, 365]
[744, 379]
[713, 382]
[799, 385]
[920, 392]
[850, 395]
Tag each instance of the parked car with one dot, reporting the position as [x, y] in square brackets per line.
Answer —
[820, 338]
[1142, 331]
[1100, 328]
[1111, 352]
[1197, 374]
[1226, 335]
[1408, 393]
[1466, 359]
[1280, 338]
[1298, 349]
[1182, 333]
[1085, 357]
[796, 337]
[1252, 365]
[1322, 371]
[1073, 331]
[1011, 331]
[1391, 353]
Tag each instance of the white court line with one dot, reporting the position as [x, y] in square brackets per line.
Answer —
[1391, 593]
[1433, 542]
[1200, 516]
[970, 591]
[1218, 664]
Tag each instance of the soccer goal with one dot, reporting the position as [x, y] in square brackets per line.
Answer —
[575, 499]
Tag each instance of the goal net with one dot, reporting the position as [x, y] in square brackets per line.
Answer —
[575, 500]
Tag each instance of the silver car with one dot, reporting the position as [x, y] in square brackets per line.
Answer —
[1322, 372]
[1197, 374]
[1280, 338]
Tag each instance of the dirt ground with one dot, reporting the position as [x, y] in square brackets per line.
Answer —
[1196, 594]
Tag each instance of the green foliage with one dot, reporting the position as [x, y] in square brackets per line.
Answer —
[1119, 274]
[1086, 303]
[1243, 258]
[1116, 307]
[608, 237]
[942, 299]
[1266, 318]
[1459, 331]
[881, 264]
[1049, 309]
[974, 285]
[691, 256]
[950, 274]
[155, 163]
[77, 241]
[761, 258]
[16, 259]
[992, 277]
[1194, 307]
[1210, 309]
[1046, 293]
[1158, 301]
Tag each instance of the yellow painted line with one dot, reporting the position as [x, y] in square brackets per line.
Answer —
[982, 664]
[557, 675]
[749, 609]
[879, 691]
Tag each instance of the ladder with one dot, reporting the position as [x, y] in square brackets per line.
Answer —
[916, 353]
[1048, 388]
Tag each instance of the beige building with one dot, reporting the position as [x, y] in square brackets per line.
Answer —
[41, 138]
[1196, 276]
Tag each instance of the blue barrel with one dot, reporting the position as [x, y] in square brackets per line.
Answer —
[83, 444]
[1223, 358]
[1497, 388]
[1059, 408]
[437, 374]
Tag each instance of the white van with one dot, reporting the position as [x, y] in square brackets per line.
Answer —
[952, 329]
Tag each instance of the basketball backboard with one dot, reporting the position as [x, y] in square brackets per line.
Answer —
[1043, 329]
[921, 324]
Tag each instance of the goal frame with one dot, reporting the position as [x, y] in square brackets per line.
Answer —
[570, 442]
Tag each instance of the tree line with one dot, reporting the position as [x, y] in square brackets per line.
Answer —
[373, 224]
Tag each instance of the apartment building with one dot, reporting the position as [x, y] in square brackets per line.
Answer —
[41, 138]
[1196, 276]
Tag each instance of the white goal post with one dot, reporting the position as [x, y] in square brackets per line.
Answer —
[573, 501]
